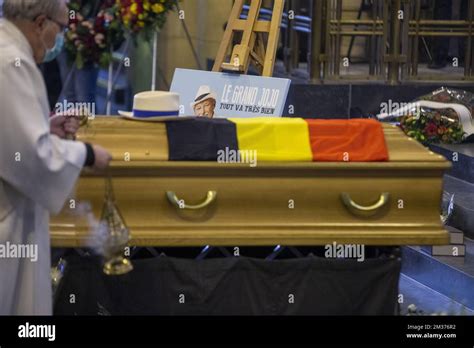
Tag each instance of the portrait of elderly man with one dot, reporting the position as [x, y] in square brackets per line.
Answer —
[205, 102]
[39, 166]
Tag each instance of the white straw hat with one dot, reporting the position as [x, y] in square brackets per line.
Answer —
[154, 106]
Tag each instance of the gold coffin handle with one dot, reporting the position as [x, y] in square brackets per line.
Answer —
[353, 206]
[178, 203]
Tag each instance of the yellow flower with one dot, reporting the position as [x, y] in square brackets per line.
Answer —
[146, 5]
[157, 8]
[141, 24]
[134, 8]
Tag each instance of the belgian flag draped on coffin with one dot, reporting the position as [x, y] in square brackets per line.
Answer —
[277, 139]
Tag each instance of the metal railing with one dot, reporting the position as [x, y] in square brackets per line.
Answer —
[394, 31]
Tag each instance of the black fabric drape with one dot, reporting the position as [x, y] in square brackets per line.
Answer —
[232, 286]
[200, 139]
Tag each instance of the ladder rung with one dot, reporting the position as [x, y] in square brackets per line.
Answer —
[260, 26]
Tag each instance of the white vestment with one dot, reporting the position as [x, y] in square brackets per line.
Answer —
[37, 173]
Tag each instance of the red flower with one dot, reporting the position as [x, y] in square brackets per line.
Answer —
[431, 130]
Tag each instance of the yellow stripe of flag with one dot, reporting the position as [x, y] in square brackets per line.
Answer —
[274, 138]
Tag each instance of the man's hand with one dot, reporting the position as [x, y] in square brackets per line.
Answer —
[72, 125]
[64, 126]
[102, 158]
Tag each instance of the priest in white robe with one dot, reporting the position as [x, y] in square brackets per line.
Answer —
[38, 169]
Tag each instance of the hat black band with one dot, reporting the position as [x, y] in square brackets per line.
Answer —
[201, 97]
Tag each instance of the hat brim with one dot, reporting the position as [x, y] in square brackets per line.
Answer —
[129, 116]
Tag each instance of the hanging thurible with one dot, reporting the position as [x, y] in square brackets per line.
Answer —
[116, 235]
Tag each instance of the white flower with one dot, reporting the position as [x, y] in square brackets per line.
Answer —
[99, 38]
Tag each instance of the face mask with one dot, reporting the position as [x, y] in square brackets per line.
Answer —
[52, 53]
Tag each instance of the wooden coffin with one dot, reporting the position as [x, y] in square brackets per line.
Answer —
[383, 203]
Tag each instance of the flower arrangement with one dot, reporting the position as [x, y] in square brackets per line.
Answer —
[144, 15]
[433, 127]
[90, 41]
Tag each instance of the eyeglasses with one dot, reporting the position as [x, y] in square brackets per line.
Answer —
[63, 27]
